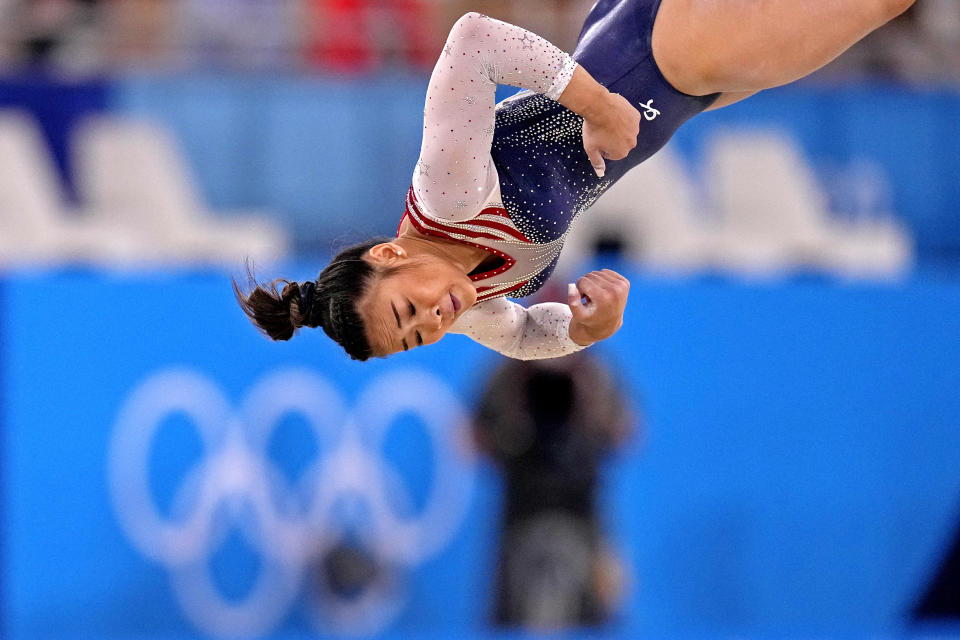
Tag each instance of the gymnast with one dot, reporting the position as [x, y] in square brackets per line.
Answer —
[496, 187]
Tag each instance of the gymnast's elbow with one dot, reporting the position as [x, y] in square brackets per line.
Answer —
[469, 27]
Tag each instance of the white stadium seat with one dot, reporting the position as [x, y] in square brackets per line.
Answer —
[132, 172]
[36, 226]
[775, 216]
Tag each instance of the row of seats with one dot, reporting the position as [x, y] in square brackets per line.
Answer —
[139, 206]
[762, 211]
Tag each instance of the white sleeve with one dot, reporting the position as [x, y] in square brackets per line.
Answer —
[534, 333]
[455, 173]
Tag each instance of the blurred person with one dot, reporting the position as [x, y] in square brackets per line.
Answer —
[936, 31]
[548, 425]
[453, 10]
[557, 21]
[53, 31]
[362, 35]
[248, 34]
[140, 33]
[921, 45]
[940, 20]
[8, 31]
[495, 190]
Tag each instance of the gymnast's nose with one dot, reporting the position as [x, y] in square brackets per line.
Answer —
[431, 318]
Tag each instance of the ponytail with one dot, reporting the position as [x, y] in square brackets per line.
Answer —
[329, 302]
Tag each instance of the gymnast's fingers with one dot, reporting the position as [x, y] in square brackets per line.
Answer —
[614, 280]
[595, 288]
[573, 297]
[596, 159]
[615, 275]
[602, 313]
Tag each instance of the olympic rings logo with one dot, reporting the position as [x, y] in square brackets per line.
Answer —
[235, 484]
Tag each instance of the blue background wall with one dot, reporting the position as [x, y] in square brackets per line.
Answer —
[798, 473]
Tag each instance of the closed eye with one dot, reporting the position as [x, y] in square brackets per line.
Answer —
[413, 314]
[403, 341]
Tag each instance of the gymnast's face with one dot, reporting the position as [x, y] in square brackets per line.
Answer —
[415, 303]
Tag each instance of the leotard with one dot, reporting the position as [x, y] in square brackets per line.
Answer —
[510, 178]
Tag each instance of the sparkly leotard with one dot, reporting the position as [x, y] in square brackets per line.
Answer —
[512, 179]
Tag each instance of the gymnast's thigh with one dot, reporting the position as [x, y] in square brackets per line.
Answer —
[743, 46]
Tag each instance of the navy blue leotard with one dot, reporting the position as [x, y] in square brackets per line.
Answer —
[544, 177]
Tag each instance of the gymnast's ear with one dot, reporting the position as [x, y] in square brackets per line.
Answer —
[387, 254]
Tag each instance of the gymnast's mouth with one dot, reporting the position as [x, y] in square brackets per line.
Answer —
[456, 303]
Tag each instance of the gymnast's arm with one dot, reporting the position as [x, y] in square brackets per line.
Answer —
[455, 173]
[594, 312]
[534, 333]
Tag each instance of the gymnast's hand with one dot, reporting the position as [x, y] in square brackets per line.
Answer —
[597, 302]
[610, 130]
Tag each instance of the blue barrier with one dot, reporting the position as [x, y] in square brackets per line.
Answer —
[797, 474]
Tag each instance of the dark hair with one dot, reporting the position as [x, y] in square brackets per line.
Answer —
[329, 302]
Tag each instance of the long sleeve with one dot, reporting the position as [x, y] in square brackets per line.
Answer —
[534, 333]
[455, 173]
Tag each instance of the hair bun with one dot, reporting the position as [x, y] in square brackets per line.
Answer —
[289, 297]
[307, 305]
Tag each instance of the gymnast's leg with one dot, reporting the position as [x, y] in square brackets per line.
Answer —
[739, 47]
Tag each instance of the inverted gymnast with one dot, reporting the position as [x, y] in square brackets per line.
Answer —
[496, 187]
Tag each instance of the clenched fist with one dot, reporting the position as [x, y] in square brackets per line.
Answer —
[610, 131]
[610, 123]
[597, 302]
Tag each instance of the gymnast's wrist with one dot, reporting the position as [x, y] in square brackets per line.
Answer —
[585, 96]
[580, 334]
